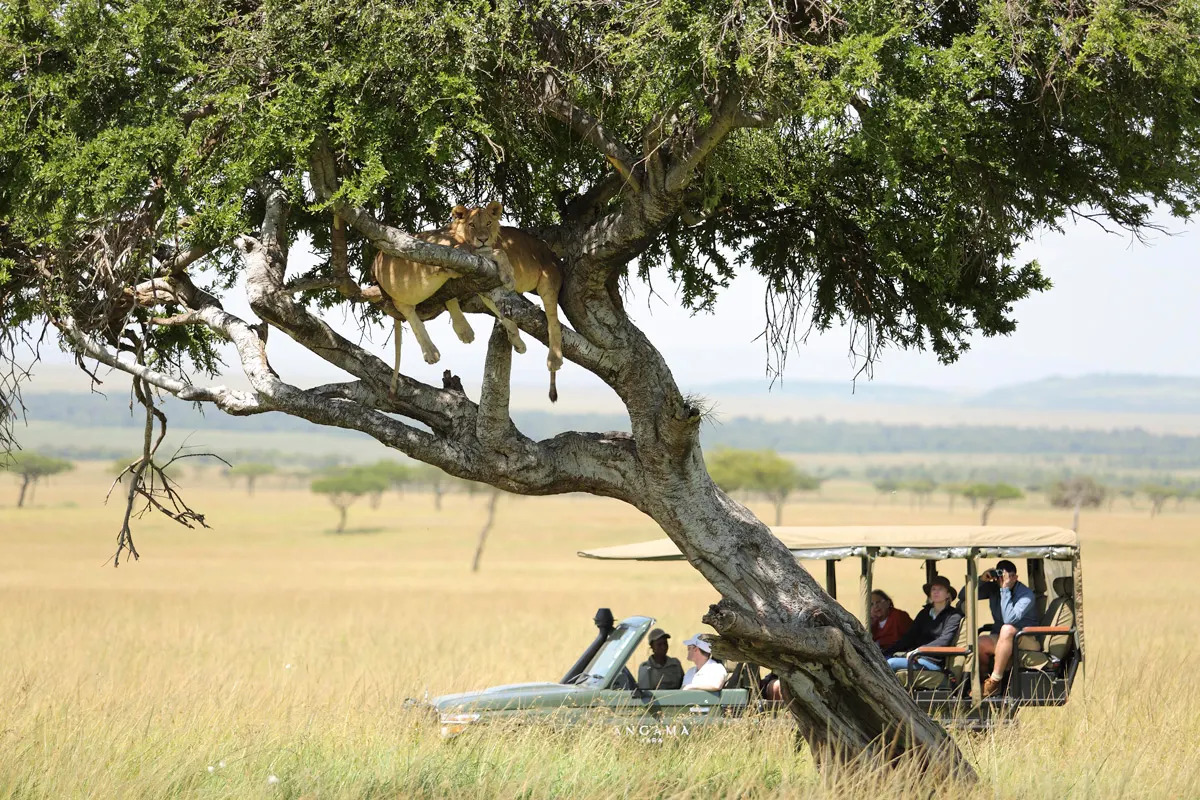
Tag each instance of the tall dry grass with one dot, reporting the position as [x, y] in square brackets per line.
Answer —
[270, 647]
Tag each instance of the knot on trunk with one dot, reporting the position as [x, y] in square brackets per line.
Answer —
[746, 636]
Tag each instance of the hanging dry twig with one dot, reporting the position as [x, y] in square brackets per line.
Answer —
[148, 481]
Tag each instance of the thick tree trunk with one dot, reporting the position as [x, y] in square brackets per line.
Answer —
[25, 481]
[844, 698]
[341, 519]
[988, 505]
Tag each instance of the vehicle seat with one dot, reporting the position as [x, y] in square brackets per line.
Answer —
[1060, 613]
[742, 675]
[944, 678]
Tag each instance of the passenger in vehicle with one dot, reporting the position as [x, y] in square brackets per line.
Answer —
[660, 671]
[1013, 608]
[888, 623]
[936, 625]
[708, 673]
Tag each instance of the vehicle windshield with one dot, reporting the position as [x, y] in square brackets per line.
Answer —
[607, 657]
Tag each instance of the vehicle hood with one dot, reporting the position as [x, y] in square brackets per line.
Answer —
[509, 697]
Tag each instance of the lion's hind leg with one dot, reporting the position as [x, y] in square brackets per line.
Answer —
[458, 321]
[430, 352]
[510, 327]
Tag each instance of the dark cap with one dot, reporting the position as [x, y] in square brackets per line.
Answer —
[941, 580]
[1006, 566]
[656, 634]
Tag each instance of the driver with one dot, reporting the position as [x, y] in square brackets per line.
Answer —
[660, 671]
[708, 674]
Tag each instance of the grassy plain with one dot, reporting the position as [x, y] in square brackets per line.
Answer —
[268, 646]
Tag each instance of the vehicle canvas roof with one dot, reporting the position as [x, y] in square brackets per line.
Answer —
[897, 541]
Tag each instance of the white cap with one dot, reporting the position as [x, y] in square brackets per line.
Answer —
[696, 640]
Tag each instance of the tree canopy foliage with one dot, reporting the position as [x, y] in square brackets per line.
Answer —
[884, 163]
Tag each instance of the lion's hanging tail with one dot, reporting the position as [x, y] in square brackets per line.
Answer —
[396, 342]
[553, 388]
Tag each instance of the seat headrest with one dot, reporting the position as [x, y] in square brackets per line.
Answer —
[1064, 587]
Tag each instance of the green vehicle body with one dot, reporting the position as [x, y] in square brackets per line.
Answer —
[599, 689]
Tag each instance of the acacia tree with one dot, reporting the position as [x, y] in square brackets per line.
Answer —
[31, 468]
[878, 163]
[250, 472]
[989, 494]
[344, 486]
[1077, 493]
[763, 471]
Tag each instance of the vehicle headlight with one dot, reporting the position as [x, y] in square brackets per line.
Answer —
[457, 722]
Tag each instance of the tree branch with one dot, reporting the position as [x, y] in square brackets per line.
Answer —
[588, 128]
[493, 424]
[323, 174]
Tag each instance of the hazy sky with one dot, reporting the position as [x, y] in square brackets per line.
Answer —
[1116, 306]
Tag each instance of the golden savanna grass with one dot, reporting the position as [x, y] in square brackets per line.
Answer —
[270, 647]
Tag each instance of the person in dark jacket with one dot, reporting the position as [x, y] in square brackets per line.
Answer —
[936, 625]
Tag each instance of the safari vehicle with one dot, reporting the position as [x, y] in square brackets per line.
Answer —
[1049, 655]
[600, 687]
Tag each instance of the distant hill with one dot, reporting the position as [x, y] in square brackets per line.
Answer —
[1153, 394]
[867, 391]
[73, 424]
[1144, 394]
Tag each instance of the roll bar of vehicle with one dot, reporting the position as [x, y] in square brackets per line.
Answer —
[1038, 545]
[604, 626]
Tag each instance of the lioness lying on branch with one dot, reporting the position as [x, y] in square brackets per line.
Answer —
[526, 264]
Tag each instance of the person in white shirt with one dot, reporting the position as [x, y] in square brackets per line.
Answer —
[708, 674]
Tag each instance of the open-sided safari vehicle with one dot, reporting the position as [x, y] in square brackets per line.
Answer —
[1049, 655]
[601, 687]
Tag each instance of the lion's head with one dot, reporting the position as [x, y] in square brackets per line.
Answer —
[477, 227]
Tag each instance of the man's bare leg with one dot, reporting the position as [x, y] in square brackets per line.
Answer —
[987, 651]
[1004, 650]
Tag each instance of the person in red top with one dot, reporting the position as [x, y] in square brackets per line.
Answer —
[888, 623]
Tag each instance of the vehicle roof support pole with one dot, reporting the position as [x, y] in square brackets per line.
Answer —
[930, 569]
[831, 577]
[864, 586]
[972, 623]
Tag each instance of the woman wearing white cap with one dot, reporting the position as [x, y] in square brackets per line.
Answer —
[708, 674]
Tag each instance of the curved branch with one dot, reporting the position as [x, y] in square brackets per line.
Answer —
[591, 130]
[323, 175]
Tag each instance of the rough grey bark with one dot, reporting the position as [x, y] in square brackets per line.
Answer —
[845, 700]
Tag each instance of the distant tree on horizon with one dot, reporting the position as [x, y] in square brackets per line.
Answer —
[989, 494]
[31, 468]
[920, 489]
[344, 486]
[1077, 493]
[762, 471]
[1158, 494]
[250, 472]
